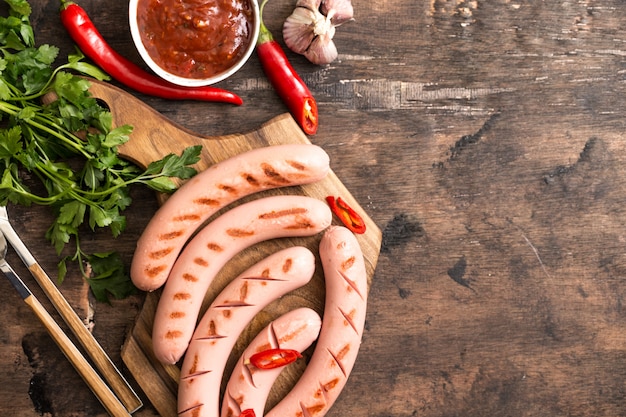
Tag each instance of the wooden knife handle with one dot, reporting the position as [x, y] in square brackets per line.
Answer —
[84, 368]
[101, 360]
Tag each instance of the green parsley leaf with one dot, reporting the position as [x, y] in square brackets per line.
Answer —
[109, 277]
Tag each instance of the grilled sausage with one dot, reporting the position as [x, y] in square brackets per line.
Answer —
[342, 329]
[248, 386]
[211, 190]
[262, 219]
[232, 310]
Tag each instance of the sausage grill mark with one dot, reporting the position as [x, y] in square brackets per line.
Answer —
[282, 213]
[182, 296]
[228, 188]
[290, 336]
[177, 314]
[243, 292]
[201, 262]
[173, 334]
[347, 264]
[271, 173]
[239, 232]
[171, 235]
[154, 271]
[212, 329]
[206, 201]
[311, 411]
[250, 179]
[161, 253]
[187, 217]
[287, 265]
[190, 277]
[300, 225]
[330, 385]
[212, 246]
[342, 353]
[296, 165]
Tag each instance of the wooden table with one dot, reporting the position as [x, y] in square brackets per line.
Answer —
[485, 139]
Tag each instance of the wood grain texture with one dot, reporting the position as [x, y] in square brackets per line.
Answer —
[486, 140]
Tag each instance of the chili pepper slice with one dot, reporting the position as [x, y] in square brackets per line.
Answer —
[348, 216]
[274, 358]
[82, 30]
[248, 412]
[286, 81]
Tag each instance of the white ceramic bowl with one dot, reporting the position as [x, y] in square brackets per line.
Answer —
[182, 80]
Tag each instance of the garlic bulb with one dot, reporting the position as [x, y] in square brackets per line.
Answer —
[310, 28]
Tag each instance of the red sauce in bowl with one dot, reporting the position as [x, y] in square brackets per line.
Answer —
[195, 38]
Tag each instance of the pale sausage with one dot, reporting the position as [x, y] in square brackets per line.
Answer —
[205, 255]
[212, 342]
[248, 386]
[211, 190]
[342, 329]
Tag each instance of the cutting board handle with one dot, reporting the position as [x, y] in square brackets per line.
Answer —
[154, 136]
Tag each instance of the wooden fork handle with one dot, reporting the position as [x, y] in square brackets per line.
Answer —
[97, 354]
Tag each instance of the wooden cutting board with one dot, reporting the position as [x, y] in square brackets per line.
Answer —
[153, 137]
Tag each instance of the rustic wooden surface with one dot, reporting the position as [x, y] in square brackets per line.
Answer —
[485, 139]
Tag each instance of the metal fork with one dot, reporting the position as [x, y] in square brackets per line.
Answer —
[102, 361]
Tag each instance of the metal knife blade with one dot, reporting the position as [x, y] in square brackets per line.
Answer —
[15, 241]
[15, 280]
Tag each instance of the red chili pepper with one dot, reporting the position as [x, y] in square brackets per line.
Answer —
[248, 412]
[92, 44]
[350, 218]
[286, 81]
[274, 358]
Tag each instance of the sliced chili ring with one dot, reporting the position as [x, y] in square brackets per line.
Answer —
[348, 216]
[274, 358]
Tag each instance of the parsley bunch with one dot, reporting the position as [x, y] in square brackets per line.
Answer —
[69, 145]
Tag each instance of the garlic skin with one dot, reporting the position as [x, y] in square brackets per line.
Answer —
[339, 11]
[299, 28]
[309, 4]
[310, 28]
[322, 51]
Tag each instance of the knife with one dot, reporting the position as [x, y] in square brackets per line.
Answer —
[97, 385]
[102, 361]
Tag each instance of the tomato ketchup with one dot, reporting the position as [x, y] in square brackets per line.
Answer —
[195, 38]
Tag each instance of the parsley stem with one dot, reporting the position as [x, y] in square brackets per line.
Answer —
[55, 130]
